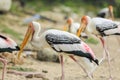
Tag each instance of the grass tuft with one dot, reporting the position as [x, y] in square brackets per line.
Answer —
[22, 69]
[91, 40]
[19, 68]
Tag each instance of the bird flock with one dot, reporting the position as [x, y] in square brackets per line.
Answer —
[69, 40]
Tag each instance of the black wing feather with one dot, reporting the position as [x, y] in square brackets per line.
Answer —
[105, 26]
[3, 37]
[61, 39]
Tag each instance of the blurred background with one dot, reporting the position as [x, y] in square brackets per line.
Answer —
[16, 14]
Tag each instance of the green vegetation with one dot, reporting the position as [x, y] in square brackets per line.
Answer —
[91, 40]
[89, 5]
[7, 30]
[19, 68]
[42, 5]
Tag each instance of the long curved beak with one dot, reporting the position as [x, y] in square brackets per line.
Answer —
[26, 38]
[81, 29]
[65, 28]
[111, 13]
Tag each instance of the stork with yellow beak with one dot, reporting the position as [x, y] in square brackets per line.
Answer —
[106, 13]
[73, 27]
[60, 41]
[101, 28]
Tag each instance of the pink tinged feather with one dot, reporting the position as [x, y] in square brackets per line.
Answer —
[8, 41]
[88, 49]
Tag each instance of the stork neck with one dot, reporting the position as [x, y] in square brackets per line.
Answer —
[69, 28]
[35, 36]
[89, 24]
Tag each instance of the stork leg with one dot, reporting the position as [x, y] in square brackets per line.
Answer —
[62, 66]
[4, 67]
[107, 54]
[118, 39]
[100, 61]
[72, 57]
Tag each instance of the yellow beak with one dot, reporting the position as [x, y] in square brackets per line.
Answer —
[26, 38]
[81, 29]
[65, 28]
[111, 13]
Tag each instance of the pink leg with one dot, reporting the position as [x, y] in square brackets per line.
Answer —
[107, 54]
[62, 66]
[118, 40]
[4, 67]
[103, 44]
[100, 61]
[72, 57]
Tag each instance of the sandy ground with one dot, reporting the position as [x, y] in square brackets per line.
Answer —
[72, 70]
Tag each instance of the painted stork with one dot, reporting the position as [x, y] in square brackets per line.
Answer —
[106, 13]
[60, 41]
[6, 45]
[73, 27]
[100, 27]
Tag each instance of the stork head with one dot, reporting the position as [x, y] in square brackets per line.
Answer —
[68, 23]
[111, 12]
[30, 31]
[35, 25]
[83, 24]
[69, 20]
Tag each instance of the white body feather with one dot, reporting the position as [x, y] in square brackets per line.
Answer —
[91, 27]
[74, 28]
[105, 11]
[40, 42]
[9, 43]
